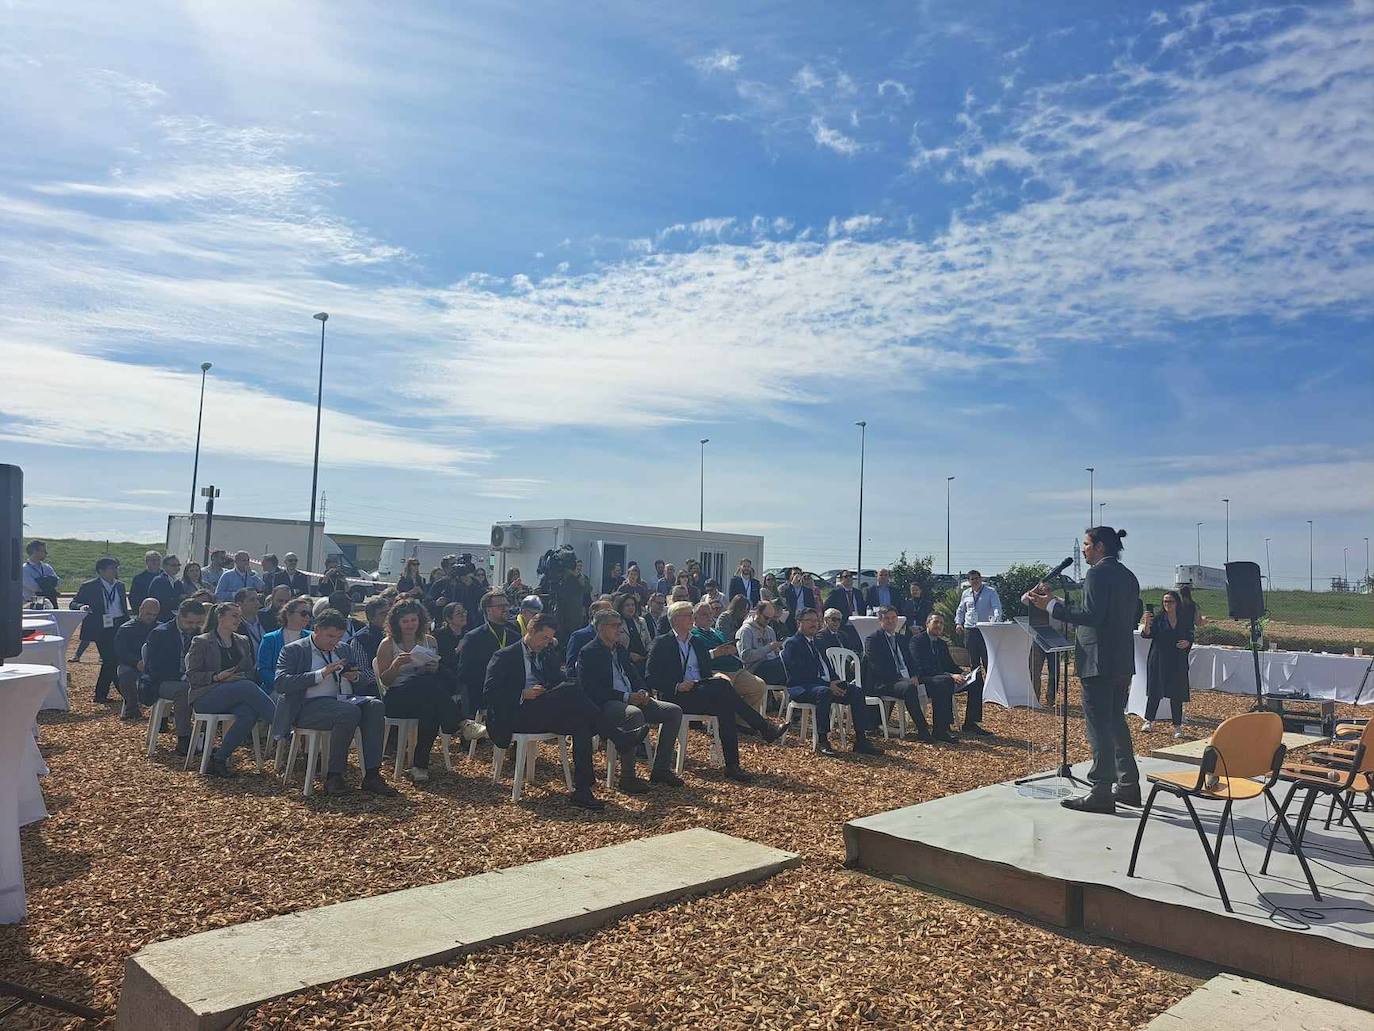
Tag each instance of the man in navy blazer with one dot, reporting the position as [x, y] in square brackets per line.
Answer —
[847, 598]
[796, 598]
[890, 672]
[882, 593]
[107, 607]
[811, 680]
[164, 666]
[942, 678]
[138, 587]
[744, 583]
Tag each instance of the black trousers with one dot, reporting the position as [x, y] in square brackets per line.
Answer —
[973, 702]
[910, 695]
[424, 697]
[940, 690]
[977, 647]
[1152, 706]
[715, 696]
[108, 676]
[772, 672]
[564, 710]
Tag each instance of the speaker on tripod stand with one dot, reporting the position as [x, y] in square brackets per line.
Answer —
[1245, 600]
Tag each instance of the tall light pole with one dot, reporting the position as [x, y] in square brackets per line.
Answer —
[1366, 561]
[1311, 581]
[863, 436]
[1199, 543]
[1268, 567]
[701, 518]
[1227, 502]
[1345, 566]
[195, 468]
[948, 480]
[1100, 506]
[1092, 475]
[323, 316]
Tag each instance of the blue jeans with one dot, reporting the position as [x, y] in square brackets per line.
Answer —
[823, 698]
[249, 704]
[1104, 712]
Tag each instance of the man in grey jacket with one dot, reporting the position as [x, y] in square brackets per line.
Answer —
[1104, 653]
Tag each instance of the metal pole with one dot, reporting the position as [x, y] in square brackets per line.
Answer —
[323, 316]
[1199, 543]
[1268, 566]
[195, 468]
[701, 517]
[1345, 566]
[1366, 561]
[947, 482]
[210, 494]
[1311, 581]
[1092, 476]
[1228, 528]
[859, 562]
[1100, 506]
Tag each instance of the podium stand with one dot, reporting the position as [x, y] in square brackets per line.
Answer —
[1051, 640]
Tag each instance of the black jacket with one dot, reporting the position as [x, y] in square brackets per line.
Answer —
[594, 672]
[297, 581]
[880, 665]
[505, 682]
[138, 588]
[92, 594]
[479, 645]
[846, 637]
[665, 667]
[129, 641]
[838, 599]
[1105, 643]
[931, 656]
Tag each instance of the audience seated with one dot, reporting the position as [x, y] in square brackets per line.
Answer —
[106, 605]
[680, 671]
[449, 637]
[890, 672]
[653, 614]
[482, 642]
[667, 580]
[365, 643]
[810, 679]
[515, 589]
[270, 614]
[164, 666]
[295, 625]
[269, 568]
[167, 588]
[525, 693]
[614, 683]
[292, 577]
[138, 586]
[796, 599]
[219, 564]
[837, 633]
[733, 617]
[193, 582]
[410, 580]
[128, 645]
[407, 670]
[222, 677]
[310, 676]
[249, 602]
[637, 637]
[711, 592]
[942, 679]
[231, 581]
[846, 599]
[759, 647]
[580, 637]
[725, 659]
[916, 608]
[634, 584]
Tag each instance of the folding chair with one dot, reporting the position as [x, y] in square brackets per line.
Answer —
[840, 660]
[1339, 770]
[1243, 747]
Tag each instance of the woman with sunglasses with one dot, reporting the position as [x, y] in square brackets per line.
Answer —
[1166, 670]
[295, 624]
[410, 579]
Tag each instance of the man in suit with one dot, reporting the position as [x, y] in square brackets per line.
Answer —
[679, 671]
[106, 605]
[129, 641]
[582, 636]
[811, 679]
[797, 598]
[291, 576]
[525, 693]
[744, 583]
[654, 612]
[164, 666]
[889, 671]
[942, 678]
[138, 586]
[231, 581]
[667, 580]
[608, 677]
[916, 608]
[311, 673]
[836, 633]
[249, 602]
[1104, 653]
[847, 598]
[479, 644]
[881, 593]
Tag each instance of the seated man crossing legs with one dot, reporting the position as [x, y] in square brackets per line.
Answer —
[811, 680]
[943, 679]
[889, 671]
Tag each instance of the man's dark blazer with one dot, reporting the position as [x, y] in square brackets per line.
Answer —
[804, 665]
[169, 594]
[129, 641]
[505, 681]
[750, 590]
[665, 669]
[478, 647]
[838, 599]
[871, 598]
[139, 587]
[92, 593]
[1104, 645]
[917, 611]
[297, 581]
[165, 651]
[880, 666]
[846, 637]
[791, 593]
[594, 672]
[931, 656]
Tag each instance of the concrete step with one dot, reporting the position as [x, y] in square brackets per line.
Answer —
[1191, 751]
[1231, 1003]
[203, 981]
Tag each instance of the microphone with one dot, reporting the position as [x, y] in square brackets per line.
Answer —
[1057, 570]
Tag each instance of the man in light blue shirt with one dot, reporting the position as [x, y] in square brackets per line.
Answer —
[35, 568]
[233, 580]
[979, 604]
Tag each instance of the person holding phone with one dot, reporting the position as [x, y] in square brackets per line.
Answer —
[725, 658]
[222, 676]
[1166, 669]
[407, 668]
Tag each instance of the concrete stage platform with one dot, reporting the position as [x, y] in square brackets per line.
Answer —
[1031, 856]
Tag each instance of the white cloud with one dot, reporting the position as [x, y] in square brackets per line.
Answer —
[895, 88]
[721, 60]
[806, 79]
[833, 139]
[150, 492]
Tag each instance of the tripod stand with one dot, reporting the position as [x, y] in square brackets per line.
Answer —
[1053, 643]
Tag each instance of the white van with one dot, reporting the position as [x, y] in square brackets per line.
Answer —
[397, 551]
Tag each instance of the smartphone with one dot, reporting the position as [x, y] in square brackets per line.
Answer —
[1150, 607]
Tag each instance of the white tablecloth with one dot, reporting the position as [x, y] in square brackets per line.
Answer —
[1009, 681]
[1336, 677]
[22, 689]
[867, 625]
[44, 623]
[68, 621]
[50, 650]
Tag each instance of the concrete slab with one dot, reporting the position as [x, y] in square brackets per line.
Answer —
[1191, 751]
[1231, 1003]
[203, 981]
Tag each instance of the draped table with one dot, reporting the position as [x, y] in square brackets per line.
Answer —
[1008, 682]
[50, 650]
[867, 625]
[68, 620]
[31, 623]
[22, 690]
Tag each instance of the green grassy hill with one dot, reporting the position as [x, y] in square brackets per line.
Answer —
[1301, 608]
[75, 560]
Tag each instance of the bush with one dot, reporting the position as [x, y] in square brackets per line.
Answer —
[1016, 581]
[905, 570]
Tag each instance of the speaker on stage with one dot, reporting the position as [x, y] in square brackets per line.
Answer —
[11, 560]
[1244, 593]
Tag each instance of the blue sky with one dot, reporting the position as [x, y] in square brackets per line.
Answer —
[560, 244]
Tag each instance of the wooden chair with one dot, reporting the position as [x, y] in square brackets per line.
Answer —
[1340, 770]
[1243, 747]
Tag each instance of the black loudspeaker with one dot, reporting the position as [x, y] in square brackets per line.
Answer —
[11, 560]
[1244, 594]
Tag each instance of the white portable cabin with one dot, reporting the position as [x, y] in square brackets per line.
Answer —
[1200, 578]
[520, 545]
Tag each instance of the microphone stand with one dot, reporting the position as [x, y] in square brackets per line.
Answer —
[1059, 680]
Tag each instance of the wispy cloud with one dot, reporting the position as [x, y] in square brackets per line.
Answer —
[833, 139]
[721, 60]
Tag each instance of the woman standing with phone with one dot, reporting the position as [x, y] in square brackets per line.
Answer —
[1170, 634]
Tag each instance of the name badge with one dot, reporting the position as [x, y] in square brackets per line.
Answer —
[108, 621]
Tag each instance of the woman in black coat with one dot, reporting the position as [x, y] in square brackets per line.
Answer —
[1170, 634]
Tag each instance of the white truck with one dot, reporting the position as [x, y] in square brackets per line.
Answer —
[602, 545]
[398, 550]
[1200, 578]
[257, 536]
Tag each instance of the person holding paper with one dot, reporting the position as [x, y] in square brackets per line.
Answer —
[407, 668]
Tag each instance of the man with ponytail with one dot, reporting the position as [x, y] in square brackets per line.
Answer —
[1104, 654]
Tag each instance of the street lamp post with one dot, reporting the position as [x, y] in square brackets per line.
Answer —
[948, 480]
[701, 516]
[1227, 502]
[863, 437]
[1100, 506]
[1199, 543]
[195, 467]
[1345, 566]
[1366, 561]
[323, 316]
[1311, 580]
[1092, 475]
[1268, 567]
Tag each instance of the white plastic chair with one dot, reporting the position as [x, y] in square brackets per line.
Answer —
[840, 659]
[205, 730]
[612, 757]
[162, 709]
[839, 720]
[526, 757]
[407, 734]
[712, 724]
[316, 755]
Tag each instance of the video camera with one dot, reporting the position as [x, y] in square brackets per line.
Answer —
[554, 565]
